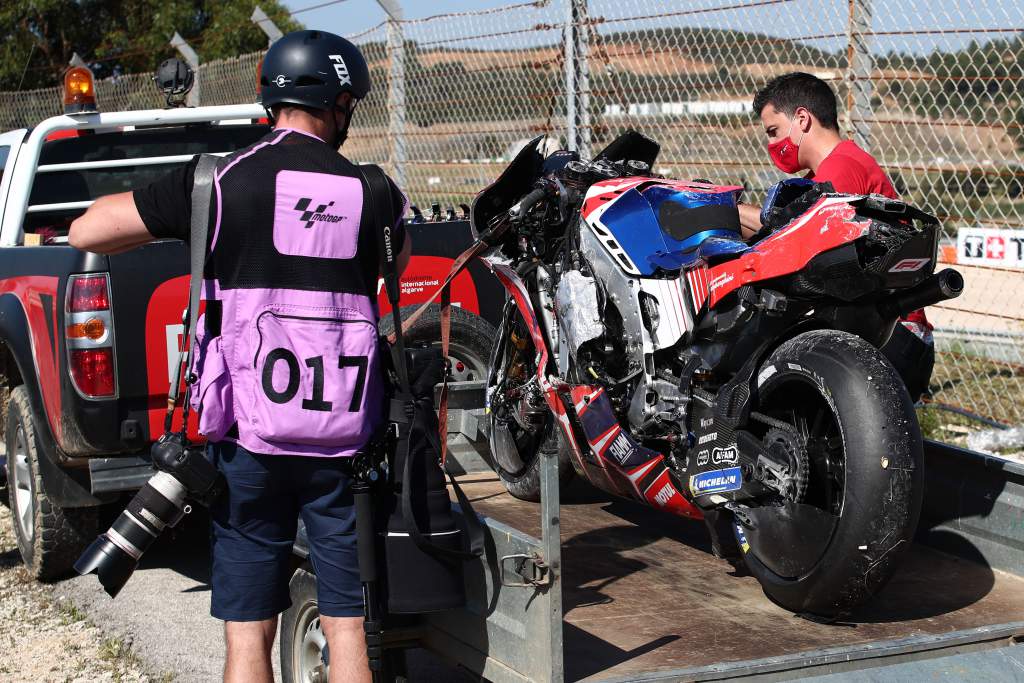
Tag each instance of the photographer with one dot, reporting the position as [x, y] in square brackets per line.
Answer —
[289, 379]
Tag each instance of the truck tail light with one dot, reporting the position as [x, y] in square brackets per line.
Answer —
[93, 371]
[89, 331]
[88, 293]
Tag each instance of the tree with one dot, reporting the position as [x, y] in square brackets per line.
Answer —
[122, 36]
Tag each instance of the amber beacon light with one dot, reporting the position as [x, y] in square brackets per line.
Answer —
[79, 91]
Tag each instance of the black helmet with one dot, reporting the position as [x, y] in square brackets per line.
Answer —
[311, 68]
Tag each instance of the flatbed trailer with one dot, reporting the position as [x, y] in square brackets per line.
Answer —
[612, 591]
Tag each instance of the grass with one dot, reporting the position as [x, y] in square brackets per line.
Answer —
[992, 389]
[120, 656]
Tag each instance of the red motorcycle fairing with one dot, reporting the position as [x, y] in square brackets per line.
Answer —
[829, 224]
[640, 472]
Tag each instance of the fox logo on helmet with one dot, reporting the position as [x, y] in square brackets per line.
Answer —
[341, 69]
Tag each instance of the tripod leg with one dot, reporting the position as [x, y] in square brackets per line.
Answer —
[366, 545]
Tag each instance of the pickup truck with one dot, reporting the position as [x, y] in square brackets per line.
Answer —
[88, 343]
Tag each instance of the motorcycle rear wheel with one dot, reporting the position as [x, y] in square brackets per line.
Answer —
[866, 472]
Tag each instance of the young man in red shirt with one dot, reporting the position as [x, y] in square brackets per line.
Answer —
[800, 118]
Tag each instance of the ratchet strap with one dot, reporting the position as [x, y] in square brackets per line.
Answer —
[202, 190]
[379, 188]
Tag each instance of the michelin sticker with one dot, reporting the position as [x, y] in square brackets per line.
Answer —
[716, 481]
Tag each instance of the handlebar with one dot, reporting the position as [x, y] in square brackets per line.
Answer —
[528, 202]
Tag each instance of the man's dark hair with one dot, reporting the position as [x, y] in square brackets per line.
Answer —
[789, 91]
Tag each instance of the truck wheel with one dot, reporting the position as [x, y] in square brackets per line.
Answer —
[50, 538]
[303, 641]
[469, 343]
[843, 417]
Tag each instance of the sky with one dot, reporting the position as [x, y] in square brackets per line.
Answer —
[788, 18]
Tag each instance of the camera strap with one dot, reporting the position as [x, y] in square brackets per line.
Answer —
[381, 208]
[202, 190]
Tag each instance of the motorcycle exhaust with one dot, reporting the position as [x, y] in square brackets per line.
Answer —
[942, 286]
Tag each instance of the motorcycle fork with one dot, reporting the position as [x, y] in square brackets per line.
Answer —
[516, 287]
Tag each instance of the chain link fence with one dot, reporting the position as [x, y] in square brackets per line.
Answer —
[932, 88]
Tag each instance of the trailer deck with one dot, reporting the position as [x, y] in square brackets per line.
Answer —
[643, 598]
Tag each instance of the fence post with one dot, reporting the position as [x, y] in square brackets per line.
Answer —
[858, 73]
[192, 59]
[266, 24]
[396, 88]
[577, 77]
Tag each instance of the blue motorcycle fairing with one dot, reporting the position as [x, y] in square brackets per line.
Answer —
[634, 221]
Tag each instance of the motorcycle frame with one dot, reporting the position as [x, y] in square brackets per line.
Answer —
[643, 483]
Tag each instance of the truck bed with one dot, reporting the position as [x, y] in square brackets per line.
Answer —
[644, 599]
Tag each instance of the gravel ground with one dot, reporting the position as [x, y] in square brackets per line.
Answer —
[46, 638]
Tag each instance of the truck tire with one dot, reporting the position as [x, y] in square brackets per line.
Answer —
[303, 640]
[50, 538]
[863, 457]
[470, 338]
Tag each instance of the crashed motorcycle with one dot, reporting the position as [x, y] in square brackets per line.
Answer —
[664, 359]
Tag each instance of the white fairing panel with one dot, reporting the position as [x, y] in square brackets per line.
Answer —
[674, 317]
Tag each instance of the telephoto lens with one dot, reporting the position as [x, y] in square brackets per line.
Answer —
[183, 472]
[114, 555]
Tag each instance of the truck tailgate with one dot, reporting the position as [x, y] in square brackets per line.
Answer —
[644, 598]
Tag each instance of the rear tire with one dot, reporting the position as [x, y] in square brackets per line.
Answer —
[50, 538]
[882, 478]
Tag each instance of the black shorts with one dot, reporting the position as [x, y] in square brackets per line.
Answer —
[254, 525]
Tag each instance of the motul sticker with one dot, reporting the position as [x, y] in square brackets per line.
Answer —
[910, 265]
[716, 481]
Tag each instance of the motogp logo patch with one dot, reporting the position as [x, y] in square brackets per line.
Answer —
[317, 215]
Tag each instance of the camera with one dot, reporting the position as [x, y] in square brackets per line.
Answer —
[183, 473]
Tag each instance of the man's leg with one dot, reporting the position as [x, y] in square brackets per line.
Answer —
[347, 645]
[329, 514]
[253, 529]
[249, 644]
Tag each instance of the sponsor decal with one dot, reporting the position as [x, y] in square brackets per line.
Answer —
[320, 215]
[716, 481]
[621, 448]
[909, 265]
[707, 438]
[703, 457]
[664, 495]
[282, 80]
[794, 366]
[990, 246]
[341, 69]
[720, 281]
[706, 422]
[741, 537]
[175, 345]
[725, 456]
